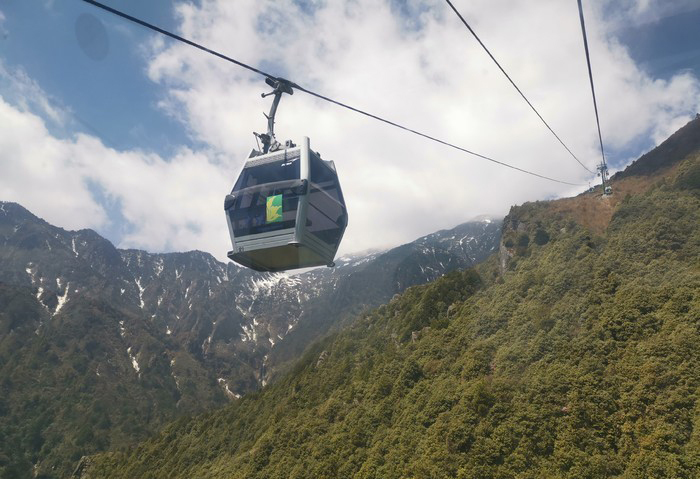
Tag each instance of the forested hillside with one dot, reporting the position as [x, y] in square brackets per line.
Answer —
[574, 353]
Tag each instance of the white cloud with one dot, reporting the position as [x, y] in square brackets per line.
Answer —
[23, 91]
[40, 173]
[435, 79]
[173, 205]
[426, 72]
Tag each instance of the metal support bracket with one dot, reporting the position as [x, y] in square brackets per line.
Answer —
[268, 139]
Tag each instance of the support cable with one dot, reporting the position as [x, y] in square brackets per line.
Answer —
[317, 95]
[590, 76]
[471, 30]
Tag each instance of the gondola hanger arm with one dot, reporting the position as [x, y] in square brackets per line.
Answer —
[280, 86]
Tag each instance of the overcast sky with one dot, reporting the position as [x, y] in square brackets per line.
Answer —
[106, 125]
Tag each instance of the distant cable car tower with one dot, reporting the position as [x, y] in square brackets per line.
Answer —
[603, 173]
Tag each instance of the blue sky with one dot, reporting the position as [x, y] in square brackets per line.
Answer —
[147, 136]
[47, 48]
[668, 45]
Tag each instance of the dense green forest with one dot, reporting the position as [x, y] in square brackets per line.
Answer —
[574, 353]
[60, 398]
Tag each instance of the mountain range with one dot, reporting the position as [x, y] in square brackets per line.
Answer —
[100, 347]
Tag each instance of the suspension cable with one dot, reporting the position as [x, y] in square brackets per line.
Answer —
[317, 95]
[590, 76]
[471, 30]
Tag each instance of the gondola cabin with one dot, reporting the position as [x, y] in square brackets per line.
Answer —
[286, 211]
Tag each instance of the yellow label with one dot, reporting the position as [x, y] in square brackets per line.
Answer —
[274, 209]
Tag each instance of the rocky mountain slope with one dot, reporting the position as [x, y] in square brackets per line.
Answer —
[101, 346]
[572, 353]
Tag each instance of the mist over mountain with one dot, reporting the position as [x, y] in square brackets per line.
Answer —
[100, 346]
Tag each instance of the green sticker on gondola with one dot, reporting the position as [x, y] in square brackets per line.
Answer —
[274, 209]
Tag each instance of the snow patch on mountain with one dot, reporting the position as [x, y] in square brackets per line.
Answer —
[63, 299]
[250, 333]
[262, 286]
[134, 361]
[159, 266]
[141, 290]
[223, 383]
[172, 373]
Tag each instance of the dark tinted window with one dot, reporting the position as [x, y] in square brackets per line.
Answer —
[250, 213]
[324, 177]
[284, 169]
[325, 216]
